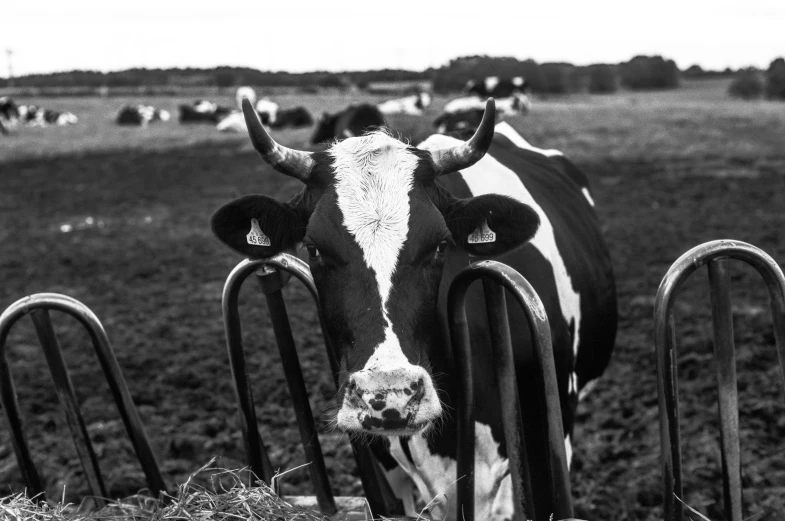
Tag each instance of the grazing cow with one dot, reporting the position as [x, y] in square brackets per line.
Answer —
[412, 105]
[203, 111]
[141, 115]
[296, 117]
[350, 122]
[493, 87]
[386, 227]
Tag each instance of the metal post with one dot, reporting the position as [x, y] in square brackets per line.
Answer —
[270, 284]
[37, 305]
[378, 493]
[67, 398]
[715, 254]
[560, 499]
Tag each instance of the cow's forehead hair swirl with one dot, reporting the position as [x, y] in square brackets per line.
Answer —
[374, 174]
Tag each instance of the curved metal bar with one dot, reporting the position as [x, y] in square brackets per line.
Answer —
[111, 369]
[527, 298]
[377, 490]
[714, 252]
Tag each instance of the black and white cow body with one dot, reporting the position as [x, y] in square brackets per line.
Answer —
[9, 114]
[387, 226]
[350, 122]
[411, 105]
[203, 111]
[141, 115]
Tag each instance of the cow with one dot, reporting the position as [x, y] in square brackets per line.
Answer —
[412, 105]
[350, 122]
[203, 111]
[9, 113]
[35, 116]
[515, 104]
[141, 115]
[493, 87]
[386, 227]
[461, 124]
[296, 117]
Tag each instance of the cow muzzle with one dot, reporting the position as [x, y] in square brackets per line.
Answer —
[395, 402]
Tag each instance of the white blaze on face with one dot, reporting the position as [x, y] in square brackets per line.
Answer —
[489, 176]
[373, 177]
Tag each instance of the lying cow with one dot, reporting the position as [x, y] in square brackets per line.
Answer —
[141, 115]
[203, 111]
[493, 87]
[35, 116]
[386, 227]
[235, 122]
[515, 104]
[352, 121]
[413, 105]
[296, 117]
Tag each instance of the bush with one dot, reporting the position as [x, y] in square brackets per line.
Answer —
[775, 80]
[649, 72]
[602, 79]
[746, 85]
[557, 77]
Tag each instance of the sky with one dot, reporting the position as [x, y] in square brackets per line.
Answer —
[299, 35]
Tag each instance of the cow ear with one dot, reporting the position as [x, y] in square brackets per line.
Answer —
[490, 224]
[258, 226]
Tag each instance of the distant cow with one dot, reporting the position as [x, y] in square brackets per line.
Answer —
[203, 111]
[515, 104]
[350, 122]
[9, 114]
[235, 122]
[460, 124]
[412, 105]
[35, 116]
[296, 117]
[492, 86]
[141, 115]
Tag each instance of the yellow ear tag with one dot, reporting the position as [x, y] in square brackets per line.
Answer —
[482, 235]
[256, 236]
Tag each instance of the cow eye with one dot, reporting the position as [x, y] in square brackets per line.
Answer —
[312, 251]
[441, 248]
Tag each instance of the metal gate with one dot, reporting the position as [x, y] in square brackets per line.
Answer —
[717, 255]
[496, 277]
[38, 306]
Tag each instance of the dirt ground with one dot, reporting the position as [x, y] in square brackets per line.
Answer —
[122, 226]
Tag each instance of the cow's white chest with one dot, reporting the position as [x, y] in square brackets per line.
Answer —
[489, 176]
[435, 477]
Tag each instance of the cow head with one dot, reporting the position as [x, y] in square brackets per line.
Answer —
[377, 227]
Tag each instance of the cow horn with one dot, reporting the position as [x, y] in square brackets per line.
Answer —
[465, 155]
[294, 163]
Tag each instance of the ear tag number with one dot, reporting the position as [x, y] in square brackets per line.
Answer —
[482, 234]
[256, 236]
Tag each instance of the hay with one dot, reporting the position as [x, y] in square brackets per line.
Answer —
[228, 499]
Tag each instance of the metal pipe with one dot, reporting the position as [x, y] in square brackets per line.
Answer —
[109, 365]
[67, 398]
[725, 361]
[294, 378]
[560, 497]
[501, 346]
[665, 345]
[378, 492]
[255, 450]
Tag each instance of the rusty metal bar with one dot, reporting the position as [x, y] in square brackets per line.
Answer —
[501, 346]
[36, 304]
[270, 284]
[725, 361]
[715, 255]
[67, 398]
[378, 492]
[559, 501]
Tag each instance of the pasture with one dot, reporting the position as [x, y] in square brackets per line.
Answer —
[118, 218]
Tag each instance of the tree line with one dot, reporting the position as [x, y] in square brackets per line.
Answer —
[639, 73]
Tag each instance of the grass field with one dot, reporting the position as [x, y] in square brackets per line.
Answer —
[669, 171]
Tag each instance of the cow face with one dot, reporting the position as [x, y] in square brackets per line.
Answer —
[377, 227]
